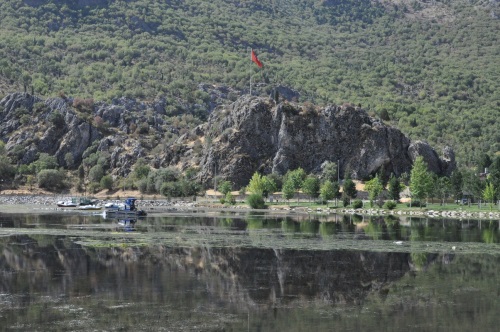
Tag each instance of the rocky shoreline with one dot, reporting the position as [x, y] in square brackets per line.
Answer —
[48, 203]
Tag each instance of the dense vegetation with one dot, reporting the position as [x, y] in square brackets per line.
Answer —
[431, 69]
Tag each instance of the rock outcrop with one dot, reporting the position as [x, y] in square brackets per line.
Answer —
[255, 134]
[252, 134]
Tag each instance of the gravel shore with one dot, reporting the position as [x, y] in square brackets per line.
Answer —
[48, 204]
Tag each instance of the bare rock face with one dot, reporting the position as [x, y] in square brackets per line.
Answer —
[255, 134]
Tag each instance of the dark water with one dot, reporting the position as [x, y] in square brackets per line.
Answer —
[248, 273]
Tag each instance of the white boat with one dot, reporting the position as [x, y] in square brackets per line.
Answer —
[66, 204]
[122, 210]
[90, 207]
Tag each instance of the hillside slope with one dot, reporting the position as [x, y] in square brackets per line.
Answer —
[429, 68]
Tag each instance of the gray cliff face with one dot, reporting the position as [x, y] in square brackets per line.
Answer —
[29, 126]
[254, 134]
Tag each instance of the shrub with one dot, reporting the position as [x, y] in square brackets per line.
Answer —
[390, 205]
[107, 182]
[51, 179]
[416, 204]
[256, 201]
[357, 204]
[229, 199]
[345, 201]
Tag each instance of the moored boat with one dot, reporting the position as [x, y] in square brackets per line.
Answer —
[66, 204]
[90, 207]
[125, 209]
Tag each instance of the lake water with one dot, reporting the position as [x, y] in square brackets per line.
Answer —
[248, 272]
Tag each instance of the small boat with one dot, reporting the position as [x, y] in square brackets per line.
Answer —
[66, 204]
[121, 210]
[90, 207]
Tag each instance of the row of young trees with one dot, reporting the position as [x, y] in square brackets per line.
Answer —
[422, 185]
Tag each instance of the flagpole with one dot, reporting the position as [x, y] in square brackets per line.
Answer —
[251, 50]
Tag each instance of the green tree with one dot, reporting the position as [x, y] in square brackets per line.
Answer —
[472, 184]
[96, 173]
[420, 179]
[256, 184]
[106, 182]
[296, 177]
[288, 190]
[442, 188]
[394, 188]
[269, 186]
[374, 188]
[256, 201]
[327, 191]
[489, 194]
[329, 171]
[141, 169]
[349, 189]
[45, 161]
[311, 186]
[225, 187]
[51, 179]
[456, 183]
[229, 198]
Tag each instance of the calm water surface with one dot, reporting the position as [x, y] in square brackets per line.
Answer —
[248, 272]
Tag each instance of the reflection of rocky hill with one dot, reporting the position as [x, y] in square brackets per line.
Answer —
[241, 276]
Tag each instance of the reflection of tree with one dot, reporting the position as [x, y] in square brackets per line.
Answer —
[328, 228]
[419, 259]
[309, 227]
[288, 225]
[490, 233]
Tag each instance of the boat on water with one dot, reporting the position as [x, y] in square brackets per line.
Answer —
[91, 207]
[124, 209]
[85, 202]
[67, 204]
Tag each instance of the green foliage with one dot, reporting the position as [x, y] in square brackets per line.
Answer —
[327, 191]
[420, 179]
[374, 188]
[390, 205]
[489, 194]
[416, 203]
[456, 183]
[96, 173]
[329, 172]
[256, 201]
[394, 189]
[45, 161]
[288, 190]
[426, 85]
[357, 204]
[295, 177]
[141, 169]
[349, 188]
[261, 185]
[106, 182]
[225, 187]
[51, 179]
[57, 119]
[7, 171]
[229, 199]
[311, 186]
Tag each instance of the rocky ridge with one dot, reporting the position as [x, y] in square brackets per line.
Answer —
[257, 134]
[251, 134]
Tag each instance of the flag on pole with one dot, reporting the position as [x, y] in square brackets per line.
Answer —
[256, 60]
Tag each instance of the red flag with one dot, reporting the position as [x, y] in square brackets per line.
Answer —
[256, 60]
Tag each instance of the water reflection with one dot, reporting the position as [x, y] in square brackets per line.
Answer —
[52, 280]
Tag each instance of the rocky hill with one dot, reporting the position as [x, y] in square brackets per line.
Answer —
[251, 134]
